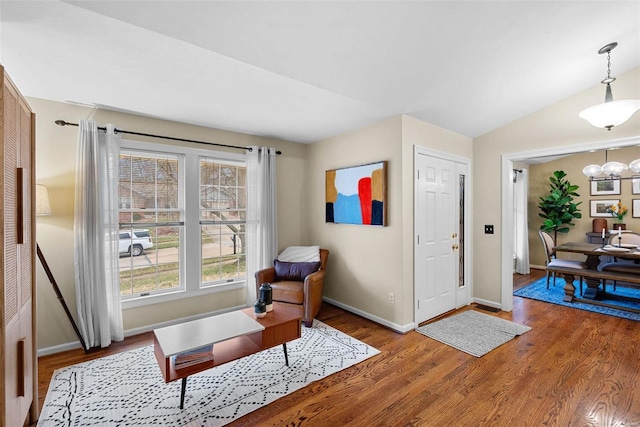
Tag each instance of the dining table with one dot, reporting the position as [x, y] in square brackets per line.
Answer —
[593, 253]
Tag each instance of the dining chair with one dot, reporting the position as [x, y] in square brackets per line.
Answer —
[552, 261]
[629, 238]
[626, 238]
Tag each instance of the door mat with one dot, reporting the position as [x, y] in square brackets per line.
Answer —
[473, 332]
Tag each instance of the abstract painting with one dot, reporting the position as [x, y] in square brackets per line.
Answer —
[357, 195]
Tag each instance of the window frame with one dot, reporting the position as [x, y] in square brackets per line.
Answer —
[222, 223]
[190, 253]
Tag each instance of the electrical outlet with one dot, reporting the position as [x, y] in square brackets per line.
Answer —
[392, 298]
[488, 229]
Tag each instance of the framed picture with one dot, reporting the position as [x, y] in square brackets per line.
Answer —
[599, 208]
[357, 194]
[605, 187]
[635, 185]
[635, 208]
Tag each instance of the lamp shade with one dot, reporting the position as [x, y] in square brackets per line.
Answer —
[635, 166]
[614, 168]
[592, 170]
[43, 207]
[610, 114]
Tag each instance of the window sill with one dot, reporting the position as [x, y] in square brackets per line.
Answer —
[181, 294]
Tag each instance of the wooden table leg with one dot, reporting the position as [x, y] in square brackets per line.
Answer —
[592, 288]
[592, 284]
[569, 288]
[182, 391]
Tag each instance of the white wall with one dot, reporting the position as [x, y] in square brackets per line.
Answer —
[55, 168]
[367, 263]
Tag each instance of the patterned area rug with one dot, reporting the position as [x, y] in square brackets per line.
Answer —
[538, 291]
[472, 332]
[127, 389]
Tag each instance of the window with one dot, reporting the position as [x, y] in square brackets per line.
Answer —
[223, 201]
[182, 216]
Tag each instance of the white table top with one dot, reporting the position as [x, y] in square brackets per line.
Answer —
[197, 333]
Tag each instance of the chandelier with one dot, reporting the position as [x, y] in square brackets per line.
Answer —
[611, 113]
[610, 170]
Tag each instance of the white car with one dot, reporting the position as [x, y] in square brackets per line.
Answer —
[135, 245]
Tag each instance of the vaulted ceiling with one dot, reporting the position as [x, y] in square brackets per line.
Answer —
[304, 71]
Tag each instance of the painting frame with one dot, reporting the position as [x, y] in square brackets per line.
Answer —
[597, 208]
[357, 195]
[605, 187]
[635, 185]
[635, 208]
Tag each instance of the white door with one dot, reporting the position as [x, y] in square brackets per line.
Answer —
[436, 241]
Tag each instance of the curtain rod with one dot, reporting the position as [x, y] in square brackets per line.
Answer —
[65, 123]
[515, 174]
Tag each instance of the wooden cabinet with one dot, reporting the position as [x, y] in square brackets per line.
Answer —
[18, 389]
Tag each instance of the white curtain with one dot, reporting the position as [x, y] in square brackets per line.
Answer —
[262, 226]
[521, 223]
[96, 236]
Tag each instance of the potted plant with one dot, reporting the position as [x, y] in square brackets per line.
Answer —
[618, 211]
[557, 208]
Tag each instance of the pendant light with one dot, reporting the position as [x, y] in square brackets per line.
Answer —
[635, 166]
[611, 113]
[611, 170]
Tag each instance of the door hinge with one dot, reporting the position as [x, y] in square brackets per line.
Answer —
[418, 174]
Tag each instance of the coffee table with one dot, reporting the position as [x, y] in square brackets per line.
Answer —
[235, 335]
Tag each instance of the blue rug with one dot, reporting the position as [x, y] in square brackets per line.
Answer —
[538, 291]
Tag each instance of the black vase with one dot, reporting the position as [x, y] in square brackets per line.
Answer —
[266, 295]
[260, 309]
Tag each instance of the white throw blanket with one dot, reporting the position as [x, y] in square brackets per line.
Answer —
[300, 254]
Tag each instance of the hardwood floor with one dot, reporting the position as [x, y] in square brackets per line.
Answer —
[522, 280]
[574, 368]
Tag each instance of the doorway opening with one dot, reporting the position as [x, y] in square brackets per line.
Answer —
[507, 202]
[442, 263]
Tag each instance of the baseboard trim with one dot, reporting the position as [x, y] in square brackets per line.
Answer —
[384, 322]
[58, 348]
[135, 331]
[488, 303]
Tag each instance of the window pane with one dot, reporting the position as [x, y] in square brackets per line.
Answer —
[242, 198]
[242, 177]
[223, 204]
[149, 191]
[223, 257]
[156, 266]
[148, 181]
[167, 184]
